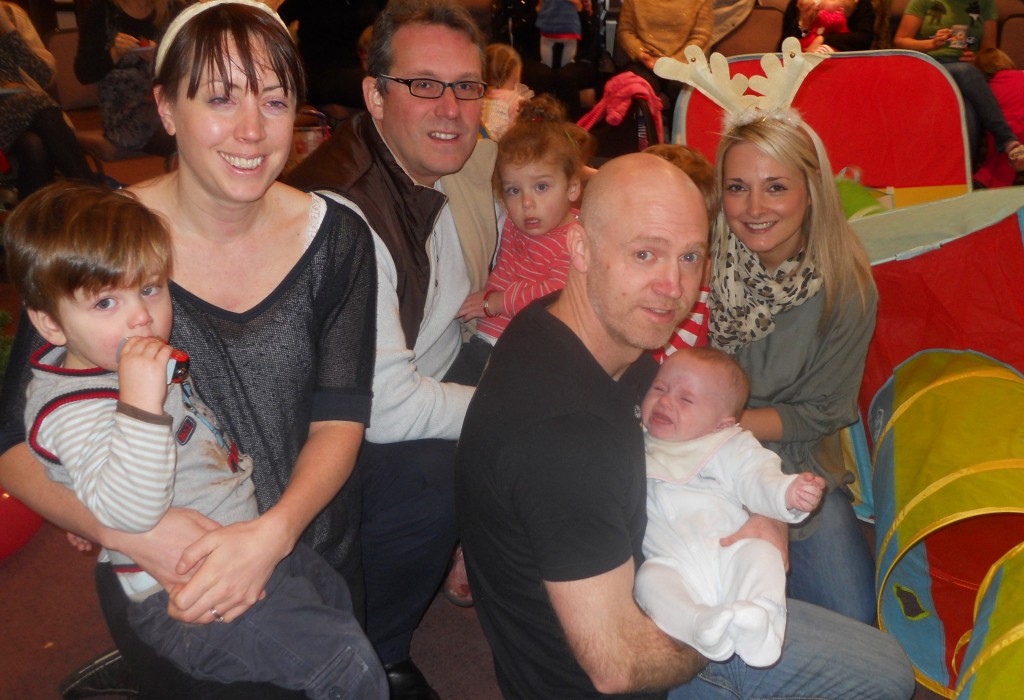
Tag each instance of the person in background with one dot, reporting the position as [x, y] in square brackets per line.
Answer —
[695, 165]
[503, 73]
[560, 30]
[953, 37]
[1007, 84]
[801, 19]
[116, 45]
[650, 29]
[33, 129]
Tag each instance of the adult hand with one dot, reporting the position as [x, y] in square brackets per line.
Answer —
[763, 528]
[122, 44]
[159, 550]
[941, 38]
[649, 57]
[228, 570]
[473, 307]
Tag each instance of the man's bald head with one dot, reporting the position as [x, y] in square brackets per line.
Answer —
[637, 178]
[639, 256]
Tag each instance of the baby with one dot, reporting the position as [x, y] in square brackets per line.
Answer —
[830, 19]
[703, 469]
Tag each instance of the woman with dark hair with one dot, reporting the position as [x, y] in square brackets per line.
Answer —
[273, 292]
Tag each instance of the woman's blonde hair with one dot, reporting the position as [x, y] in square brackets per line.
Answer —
[830, 245]
[992, 60]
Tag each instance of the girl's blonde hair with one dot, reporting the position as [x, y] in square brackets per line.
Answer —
[541, 133]
[992, 60]
[831, 246]
[500, 62]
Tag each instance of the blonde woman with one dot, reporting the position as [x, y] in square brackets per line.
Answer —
[116, 46]
[793, 300]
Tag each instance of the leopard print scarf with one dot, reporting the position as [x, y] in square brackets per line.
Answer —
[745, 299]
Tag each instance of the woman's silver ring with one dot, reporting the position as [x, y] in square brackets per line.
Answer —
[216, 615]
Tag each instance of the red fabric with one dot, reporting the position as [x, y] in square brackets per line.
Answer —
[1008, 87]
[827, 22]
[692, 332]
[618, 98]
[965, 295]
[528, 268]
[868, 110]
[5, 167]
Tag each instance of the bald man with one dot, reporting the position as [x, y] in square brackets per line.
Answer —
[550, 477]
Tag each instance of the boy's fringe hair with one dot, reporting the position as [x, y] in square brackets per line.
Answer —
[74, 236]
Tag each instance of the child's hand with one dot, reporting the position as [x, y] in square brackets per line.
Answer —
[804, 492]
[78, 542]
[473, 307]
[142, 372]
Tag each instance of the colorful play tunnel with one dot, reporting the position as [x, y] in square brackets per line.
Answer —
[993, 665]
[948, 485]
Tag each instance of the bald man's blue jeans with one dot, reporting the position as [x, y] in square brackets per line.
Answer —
[825, 655]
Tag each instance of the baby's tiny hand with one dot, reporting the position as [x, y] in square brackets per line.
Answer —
[804, 492]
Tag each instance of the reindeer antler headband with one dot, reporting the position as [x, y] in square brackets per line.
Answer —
[776, 88]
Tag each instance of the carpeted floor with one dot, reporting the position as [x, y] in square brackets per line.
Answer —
[52, 625]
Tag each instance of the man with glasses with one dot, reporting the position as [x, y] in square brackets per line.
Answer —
[416, 169]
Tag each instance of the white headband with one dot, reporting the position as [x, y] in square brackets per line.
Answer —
[191, 11]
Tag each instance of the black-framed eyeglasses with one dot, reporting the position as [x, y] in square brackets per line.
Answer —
[430, 89]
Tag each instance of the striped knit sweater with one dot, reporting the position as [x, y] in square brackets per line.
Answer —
[528, 268]
[129, 466]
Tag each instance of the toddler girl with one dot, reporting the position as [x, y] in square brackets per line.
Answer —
[537, 178]
[503, 72]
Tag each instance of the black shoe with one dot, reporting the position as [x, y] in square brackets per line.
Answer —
[107, 675]
[408, 683]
